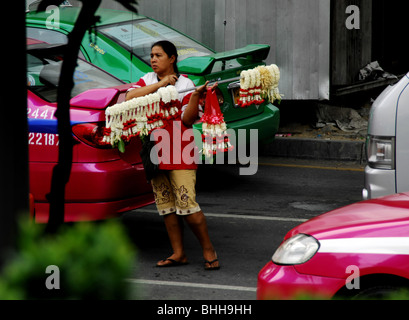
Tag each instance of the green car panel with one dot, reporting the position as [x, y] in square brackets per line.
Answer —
[121, 46]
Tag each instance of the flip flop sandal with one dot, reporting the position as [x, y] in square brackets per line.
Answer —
[172, 263]
[211, 268]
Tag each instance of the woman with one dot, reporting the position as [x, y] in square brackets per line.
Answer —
[174, 187]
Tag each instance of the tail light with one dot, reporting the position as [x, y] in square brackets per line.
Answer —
[220, 97]
[91, 134]
[381, 152]
[234, 89]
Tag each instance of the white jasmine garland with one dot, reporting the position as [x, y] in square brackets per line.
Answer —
[244, 88]
[244, 80]
[175, 98]
[156, 102]
[149, 105]
[174, 94]
[274, 93]
[165, 94]
[256, 84]
[214, 139]
[143, 101]
[257, 90]
[266, 80]
[252, 85]
[269, 81]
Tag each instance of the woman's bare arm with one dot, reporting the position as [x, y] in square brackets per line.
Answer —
[143, 91]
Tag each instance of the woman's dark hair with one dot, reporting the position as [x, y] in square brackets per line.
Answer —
[170, 50]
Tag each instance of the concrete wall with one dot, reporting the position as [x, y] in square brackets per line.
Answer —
[298, 32]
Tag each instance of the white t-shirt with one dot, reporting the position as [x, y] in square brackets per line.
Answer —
[183, 83]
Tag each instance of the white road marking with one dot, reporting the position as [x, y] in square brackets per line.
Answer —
[265, 218]
[212, 286]
[191, 285]
[239, 216]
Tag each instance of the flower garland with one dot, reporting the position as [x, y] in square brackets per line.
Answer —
[215, 138]
[140, 116]
[258, 83]
[244, 89]
[274, 91]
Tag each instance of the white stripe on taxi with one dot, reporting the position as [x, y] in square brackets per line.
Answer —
[387, 245]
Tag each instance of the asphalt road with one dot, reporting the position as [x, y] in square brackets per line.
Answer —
[248, 216]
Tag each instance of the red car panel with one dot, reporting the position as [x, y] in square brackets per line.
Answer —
[103, 182]
[370, 237]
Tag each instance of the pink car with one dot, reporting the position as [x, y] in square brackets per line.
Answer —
[360, 251]
[103, 181]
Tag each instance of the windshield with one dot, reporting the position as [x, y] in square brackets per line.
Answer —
[138, 36]
[43, 73]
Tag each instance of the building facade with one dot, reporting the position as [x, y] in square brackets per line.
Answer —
[319, 45]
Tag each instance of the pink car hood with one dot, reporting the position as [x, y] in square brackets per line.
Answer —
[387, 217]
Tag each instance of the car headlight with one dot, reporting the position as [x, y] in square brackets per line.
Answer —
[381, 152]
[296, 250]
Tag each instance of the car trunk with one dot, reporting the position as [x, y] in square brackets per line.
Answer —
[224, 66]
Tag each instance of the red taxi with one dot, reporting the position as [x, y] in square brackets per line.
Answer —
[104, 182]
[360, 251]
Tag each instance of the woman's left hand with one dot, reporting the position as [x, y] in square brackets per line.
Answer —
[201, 91]
[192, 110]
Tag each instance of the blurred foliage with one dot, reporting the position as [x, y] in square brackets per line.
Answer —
[93, 259]
[394, 295]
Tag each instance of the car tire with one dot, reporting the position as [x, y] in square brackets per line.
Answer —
[381, 292]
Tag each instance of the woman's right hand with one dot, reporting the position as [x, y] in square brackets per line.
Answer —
[143, 91]
[169, 80]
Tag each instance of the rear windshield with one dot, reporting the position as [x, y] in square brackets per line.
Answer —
[138, 36]
[43, 73]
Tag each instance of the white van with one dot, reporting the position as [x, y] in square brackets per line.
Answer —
[387, 171]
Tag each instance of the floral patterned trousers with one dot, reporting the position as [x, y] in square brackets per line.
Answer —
[175, 192]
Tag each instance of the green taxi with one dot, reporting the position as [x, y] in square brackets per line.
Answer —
[121, 44]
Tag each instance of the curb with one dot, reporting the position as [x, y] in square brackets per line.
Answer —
[316, 149]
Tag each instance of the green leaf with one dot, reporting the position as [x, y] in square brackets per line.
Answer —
[121, 146]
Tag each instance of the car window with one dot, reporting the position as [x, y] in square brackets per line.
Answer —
[139, 35]
[47, 35]
[43, 73]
